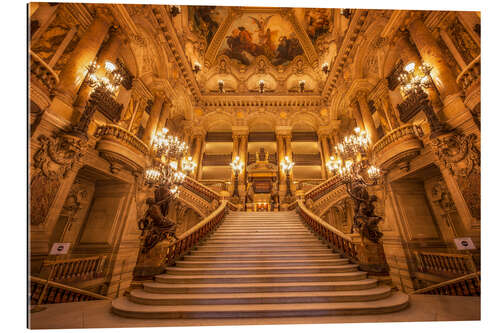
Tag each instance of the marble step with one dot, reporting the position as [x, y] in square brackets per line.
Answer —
[216, 237]
[259, 270]
[261, 263]
[124, 307]
[262, 242]
[143, 297]
[260, 278]
[224, 288]
[255, 257]
[265, 246]
[257, 251]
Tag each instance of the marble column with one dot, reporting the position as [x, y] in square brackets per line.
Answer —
[163, 116]
[432, 54]
[109, 51]
[153, 117]
[356, 114]
[367, 116]
[325, 152]
[280, 143]
[243, 156]
[85, 52]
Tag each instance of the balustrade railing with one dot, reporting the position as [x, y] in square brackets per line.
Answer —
[43, 291]
[467, 285]
[194, 235]
[396, 135]
[78, 269]
[470, 75]
[323, 188]
[215, 185]
[447, 263]
[122, 135]
[200, 190]
[335, 238]
[42, 71]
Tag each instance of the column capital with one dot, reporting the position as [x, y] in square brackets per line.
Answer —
[240, 130]
[324, 131]
[103, 13]
[283, 130]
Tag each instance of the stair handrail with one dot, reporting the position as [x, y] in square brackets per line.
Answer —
[195, 234]
[46, 283]
[435, 288]
[83, 268]
[442, 262]
[208, 191]
[335, 238]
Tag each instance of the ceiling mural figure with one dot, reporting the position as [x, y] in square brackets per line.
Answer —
[268, 35]
[205, 20]
[319, 21]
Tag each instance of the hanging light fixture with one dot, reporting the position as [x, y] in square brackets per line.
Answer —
[167, 153]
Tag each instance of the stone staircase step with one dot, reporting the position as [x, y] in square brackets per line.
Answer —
[199, 288]
[143, 297]
[125, 307]
[253, 257]
[218, 252]
[259, 270]
[262, 263]
[260, 278]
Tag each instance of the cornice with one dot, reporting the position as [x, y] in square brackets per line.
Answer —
[165, 23]
[348, 43]
[252, 100]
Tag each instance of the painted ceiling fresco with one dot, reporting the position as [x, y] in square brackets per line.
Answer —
[266, 34]
[206, 19]
[318, 21]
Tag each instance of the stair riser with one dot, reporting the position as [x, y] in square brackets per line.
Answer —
[260, 300]
[258, 314]
[248, 257]
[269, 247]
[263, 289]
[284, 278]
[250, 271]
[257, 252]
[254, 265]
[263, 243]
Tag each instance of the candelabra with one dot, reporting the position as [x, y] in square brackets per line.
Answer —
[167, 151]
[353, 167]
[261, 86]
[286, 166]
[104, 88]
[188, 165]
[221, 86]
[413, 85]
[237, 167]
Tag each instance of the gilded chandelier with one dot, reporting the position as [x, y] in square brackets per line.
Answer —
[351, 162]
[168, 167]
[110, 81]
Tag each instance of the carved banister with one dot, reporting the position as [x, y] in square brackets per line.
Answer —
[76, 268]
[470, 74]
[194, 235]
[467, 285]
[334, 237]
[201, 190]
[446, 263]
[43, 291]
[323, 188]
[42, 71]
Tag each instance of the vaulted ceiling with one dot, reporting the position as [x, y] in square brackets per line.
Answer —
[245, 45]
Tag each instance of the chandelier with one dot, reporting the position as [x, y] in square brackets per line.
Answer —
[351, 162]
[168, 167]
[110, 81]
[413, 81]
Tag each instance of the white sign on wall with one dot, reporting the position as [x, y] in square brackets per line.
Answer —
[59, 248]
[464, 243]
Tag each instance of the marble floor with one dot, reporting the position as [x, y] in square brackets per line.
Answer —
[97, 314]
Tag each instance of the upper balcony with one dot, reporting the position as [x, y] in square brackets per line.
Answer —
[398, 147]
[470, 78]
[42, 76]
[121, 148]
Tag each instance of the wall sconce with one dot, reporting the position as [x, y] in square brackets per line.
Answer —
[325, 68]
[196, 68]
[261, 86]
[221, 86]
[302, 85]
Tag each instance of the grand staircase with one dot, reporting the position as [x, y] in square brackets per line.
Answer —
[259, 265]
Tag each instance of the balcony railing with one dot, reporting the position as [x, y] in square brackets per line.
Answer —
[44, 291]
[122, 135]
[76, 269]
[470, 75]
[216, 159]
[215, 185]
[445, 263]
[467, 285]
[334, 237]
[43, 73]
[399, 145]
[196, 234]
[306, 159]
